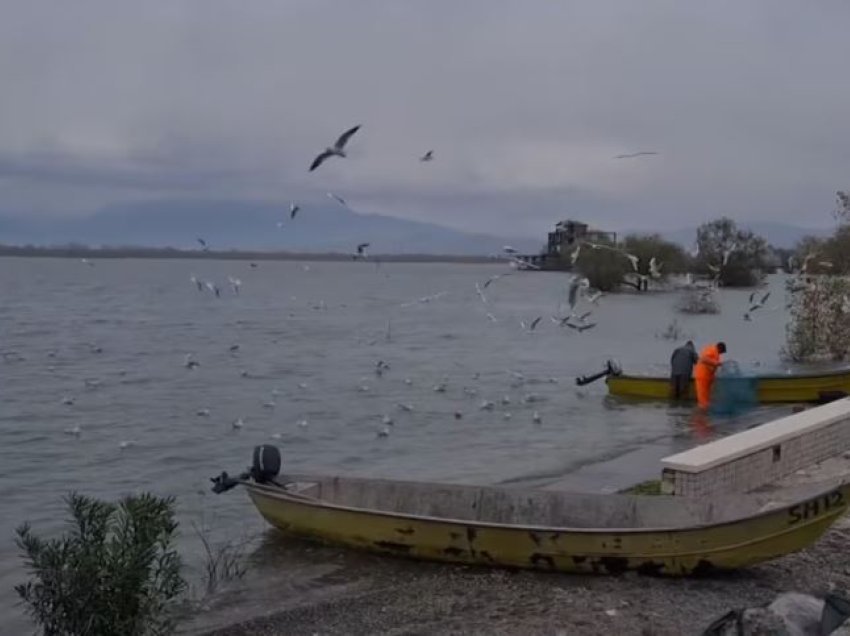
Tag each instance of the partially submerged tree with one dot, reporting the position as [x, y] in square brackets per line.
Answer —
[604, 267]
[842, 210]
[113, 573]
[670, 258]
[735, 257]
[608, 265]
[819, 325]
[698, 301]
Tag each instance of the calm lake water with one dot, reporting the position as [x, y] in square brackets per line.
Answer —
[112, 338]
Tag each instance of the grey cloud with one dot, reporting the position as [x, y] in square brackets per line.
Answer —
[525, 105]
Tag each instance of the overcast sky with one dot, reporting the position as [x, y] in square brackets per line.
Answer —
[525, 103]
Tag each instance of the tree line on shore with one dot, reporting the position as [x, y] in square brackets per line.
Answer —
[725, 253]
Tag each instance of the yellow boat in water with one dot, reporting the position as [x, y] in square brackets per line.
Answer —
[798, 387]
[549, 530]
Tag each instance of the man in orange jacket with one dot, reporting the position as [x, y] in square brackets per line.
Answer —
[706, 367]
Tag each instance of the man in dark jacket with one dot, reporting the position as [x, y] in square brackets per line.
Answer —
[681, 367]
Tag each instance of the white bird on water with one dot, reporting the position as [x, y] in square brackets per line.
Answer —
[86, 261]
[75, 431]
[68, 400]
[238, 423]
[196, 282]
[213, 288]
[384, 432]
[189, 361]
[202, 412]
[337, 150]
[235, 283]
[126, 444]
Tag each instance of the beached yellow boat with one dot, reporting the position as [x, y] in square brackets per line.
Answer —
[798, 387]
[548, 530]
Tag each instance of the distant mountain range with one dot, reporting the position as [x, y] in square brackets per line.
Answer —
[238, 224]
[250, 225]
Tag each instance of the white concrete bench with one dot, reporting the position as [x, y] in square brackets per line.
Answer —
[752, 458]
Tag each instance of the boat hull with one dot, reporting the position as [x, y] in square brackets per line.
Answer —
[675, 552]
[771, 389]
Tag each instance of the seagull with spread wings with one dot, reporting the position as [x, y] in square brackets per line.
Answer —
[337, 150]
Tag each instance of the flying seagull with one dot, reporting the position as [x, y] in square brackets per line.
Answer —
[531, 326]
[581, 327]
[203, 244]
[634, 260]
[338, 199]
[492, 280]
[509, 250]
[654, 268]
[576, 283]
[293, 210]
[338, 149]
[632, 155]
[428, 156]
[361, 250]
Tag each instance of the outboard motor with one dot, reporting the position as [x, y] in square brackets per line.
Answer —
[611, 368]
[266, 463]
[265, 467]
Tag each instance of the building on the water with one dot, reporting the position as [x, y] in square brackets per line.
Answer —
[563, 241]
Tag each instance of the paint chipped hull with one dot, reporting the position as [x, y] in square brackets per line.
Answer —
[676, 551]
[770, 389]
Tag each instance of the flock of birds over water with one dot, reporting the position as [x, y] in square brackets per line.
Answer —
[574, 309]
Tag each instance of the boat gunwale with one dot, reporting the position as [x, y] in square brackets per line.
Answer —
[829, 375]
[277, 491]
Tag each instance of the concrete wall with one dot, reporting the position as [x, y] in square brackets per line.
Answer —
[753, 458]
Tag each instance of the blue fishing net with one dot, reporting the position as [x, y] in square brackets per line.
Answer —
[734, 391]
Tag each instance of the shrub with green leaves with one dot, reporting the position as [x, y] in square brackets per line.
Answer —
[114, 572]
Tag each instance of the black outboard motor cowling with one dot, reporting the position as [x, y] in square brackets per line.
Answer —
[266, 464]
